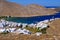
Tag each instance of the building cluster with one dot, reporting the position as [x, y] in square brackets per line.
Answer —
[8, 26]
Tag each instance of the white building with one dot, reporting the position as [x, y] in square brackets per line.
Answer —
[46, 21]
[19, 24]
[3, 22]
[52, 19]
[7, 22]
[21, 31]
[44, 26]
[41, 25]
[14, 24]
[11, 29]
[32, 25]
[1, 25]
[24, 25]
[38, 33]
[2, 30]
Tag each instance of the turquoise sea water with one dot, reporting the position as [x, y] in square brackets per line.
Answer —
[33, 19]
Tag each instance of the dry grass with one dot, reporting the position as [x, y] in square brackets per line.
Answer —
[27, 37]
[54, 28]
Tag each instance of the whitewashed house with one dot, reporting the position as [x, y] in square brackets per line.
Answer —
[2, 30]
[21, 31]
[1, 25]
[44, 26]
[11, 29]
[3, 22]
[52, 19]
[10, 23]
[14, 24]
[19, 24]
[7, 22]
[46, 21]
[32, 25]
[41, 25]
[24, 25]
[18, 31]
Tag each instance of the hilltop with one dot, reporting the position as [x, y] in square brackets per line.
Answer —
[17, 10]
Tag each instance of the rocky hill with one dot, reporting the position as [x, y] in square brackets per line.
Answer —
[17, 10]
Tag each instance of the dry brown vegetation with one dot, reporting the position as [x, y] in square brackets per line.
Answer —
[16, 10]
[29, 37]
[54, 28]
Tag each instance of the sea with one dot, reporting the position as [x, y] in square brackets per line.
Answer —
[34, 19]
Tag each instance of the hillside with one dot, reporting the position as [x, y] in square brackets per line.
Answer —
[17, 10]
[54, 28]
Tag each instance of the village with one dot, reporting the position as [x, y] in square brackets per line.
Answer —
[24, 28]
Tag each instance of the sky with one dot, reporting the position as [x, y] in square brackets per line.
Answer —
[39, 2]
